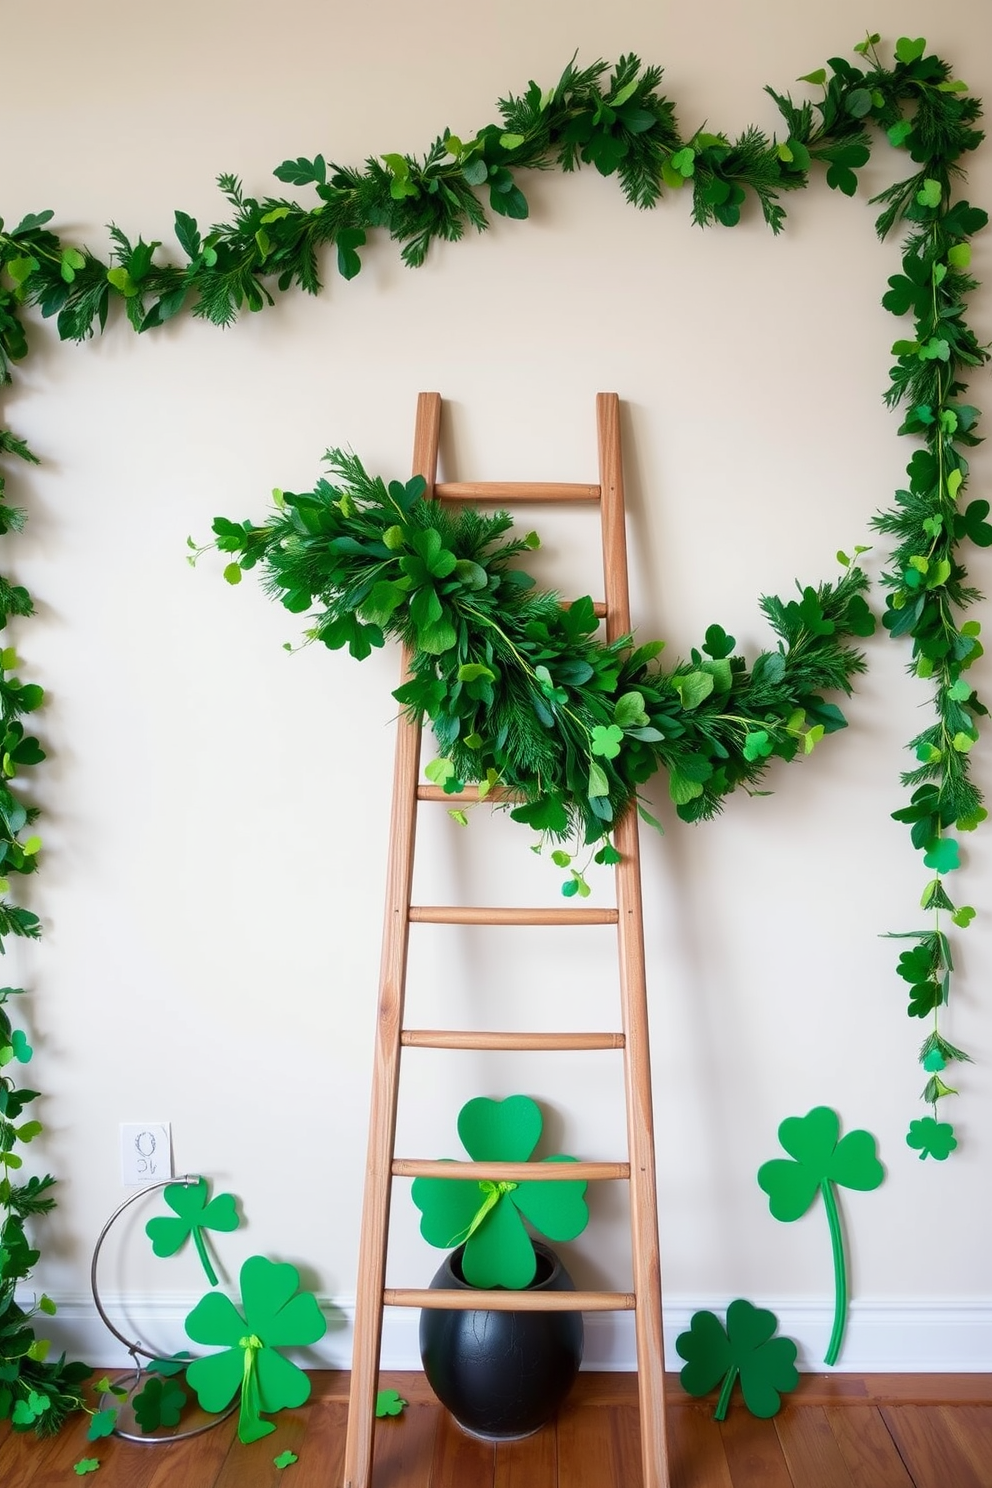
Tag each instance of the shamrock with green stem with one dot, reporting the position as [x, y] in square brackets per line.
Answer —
[194, 1213]
[488, 1218]
[746, 1350]
[817, 1162]
[276, 1315]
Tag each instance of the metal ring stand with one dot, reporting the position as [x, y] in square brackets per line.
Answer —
[133, 1348]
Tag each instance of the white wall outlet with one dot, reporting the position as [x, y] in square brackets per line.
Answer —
[146, 1152]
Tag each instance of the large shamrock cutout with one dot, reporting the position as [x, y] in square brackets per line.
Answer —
[747, 1349]
[489, 1217]
[194, 1214]
[819, 1161]
[276, 1316]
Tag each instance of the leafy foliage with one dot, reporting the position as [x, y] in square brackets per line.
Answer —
[747, 1350]
[520, 691]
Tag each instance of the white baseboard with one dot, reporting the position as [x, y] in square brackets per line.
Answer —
[881, 1337]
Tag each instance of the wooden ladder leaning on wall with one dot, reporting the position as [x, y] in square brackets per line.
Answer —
[391, 1035]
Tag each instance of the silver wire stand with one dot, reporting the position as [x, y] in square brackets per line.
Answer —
[136, 1348]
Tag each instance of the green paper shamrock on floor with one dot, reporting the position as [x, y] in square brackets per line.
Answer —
[931, 1138]
[389, 1403]
[747, 1349]
[276, 1315]
[487, 1216]
[819, 1161]
[160, 1403]
[285, 1459]
[194, 1214]
[85, 1465]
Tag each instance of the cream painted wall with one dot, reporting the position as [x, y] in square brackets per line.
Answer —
[216, 812]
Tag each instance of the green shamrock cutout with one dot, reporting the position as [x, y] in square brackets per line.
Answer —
[487, 1216]
[85, 1465]
[285, 1459]
[931, 1138]
[194, 1214]
[747, 1349]
[819, 1161]
[276, 1315]
[160, 1403]
[103, 1423]
[389, 1403]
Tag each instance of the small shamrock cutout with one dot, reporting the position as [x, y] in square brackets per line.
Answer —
[487, 1216]
[943, 855]
[606, 740]
[85, 1465]
[160, 1403]
[102, 1424]
[276, 1315]
[27, 1411]
[285, 1459]
[194, 1214]
[819, 1161]
[931, 1138]
[389, 1403]
[747, 1349]
[934, 1062]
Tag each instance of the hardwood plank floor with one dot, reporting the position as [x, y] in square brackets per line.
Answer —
[835, 1431]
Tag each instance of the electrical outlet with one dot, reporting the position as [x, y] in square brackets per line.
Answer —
[146, 1152]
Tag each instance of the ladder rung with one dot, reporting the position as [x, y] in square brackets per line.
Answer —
[451, 1038]
[477, 914]
[473, 1299]
[515, 491]
[510, 1172]
[470, 793]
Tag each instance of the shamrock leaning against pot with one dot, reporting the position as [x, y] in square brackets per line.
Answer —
[276, 1315]
[486, 1217]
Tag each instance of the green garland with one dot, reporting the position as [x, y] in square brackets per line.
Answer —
[618, 121]
[520, 692]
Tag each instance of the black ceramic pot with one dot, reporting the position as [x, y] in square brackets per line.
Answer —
[502, 1375]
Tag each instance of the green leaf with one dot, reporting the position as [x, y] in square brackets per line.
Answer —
[232, 573]
[693, 688]
[599, 785]
[929, 194]
[908, 51]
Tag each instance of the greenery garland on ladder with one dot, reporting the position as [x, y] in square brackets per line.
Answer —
[618, 121]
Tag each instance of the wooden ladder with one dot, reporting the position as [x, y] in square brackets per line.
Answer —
[391, 1035]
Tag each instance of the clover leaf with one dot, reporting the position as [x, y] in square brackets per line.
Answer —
[766, 1365]
[285, 1459]
[489, 1217]
[389, 1403]
[194, 1215]
[818, 1162]
[931, 1138]
[160, 1403]
[85, 1465]
[103, 1423]
[606, 740]
[276, 1316]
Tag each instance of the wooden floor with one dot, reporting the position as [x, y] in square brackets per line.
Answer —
[835, 1431]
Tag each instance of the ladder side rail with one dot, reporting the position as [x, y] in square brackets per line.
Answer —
[386, 1065]
[646, 1258]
